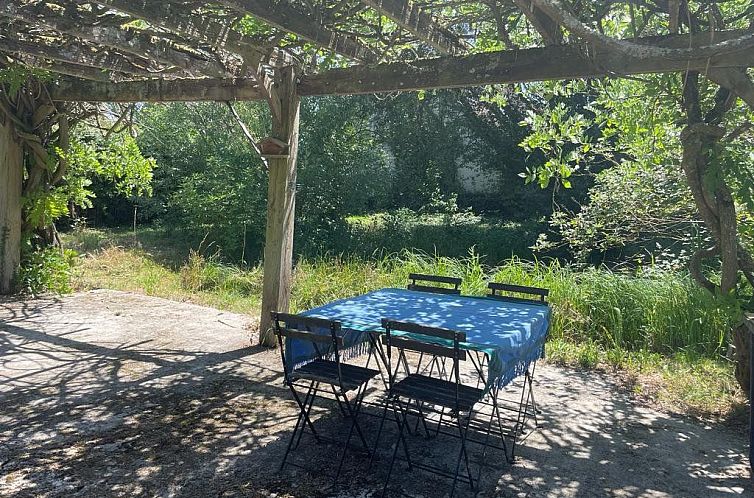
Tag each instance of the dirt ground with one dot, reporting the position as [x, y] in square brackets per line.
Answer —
[115, 394]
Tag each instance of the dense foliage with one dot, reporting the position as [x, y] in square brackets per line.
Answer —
[640, 207]
[357, 155]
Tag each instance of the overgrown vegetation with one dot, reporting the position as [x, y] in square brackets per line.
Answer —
[46, 270]
[658, 328]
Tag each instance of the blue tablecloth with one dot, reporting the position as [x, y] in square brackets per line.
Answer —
[510, 333]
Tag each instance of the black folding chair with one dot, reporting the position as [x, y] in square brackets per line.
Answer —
[511, 292]
[417, 285]
[532, 295]
[326, 338]
[449, 397]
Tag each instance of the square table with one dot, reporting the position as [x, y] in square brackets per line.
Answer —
[511, 333]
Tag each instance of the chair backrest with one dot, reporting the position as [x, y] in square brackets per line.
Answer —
[417, 278]
[513, 292]
[307, 328]
[421, 341]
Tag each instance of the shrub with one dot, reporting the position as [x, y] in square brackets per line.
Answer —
[46, 270]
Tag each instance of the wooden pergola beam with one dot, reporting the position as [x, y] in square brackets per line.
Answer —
[549, 29]
[73, 70]
[127, 41]
[557, 62]
[75, 54]
[209, 31]
[159, 90]
[510, 66]
[284, 16]
[409, 16]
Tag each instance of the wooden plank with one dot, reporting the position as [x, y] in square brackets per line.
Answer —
[409, 16]
[518, 289]
[215, 33]
[549, 29]
[562, 62]
[435, 278]
[11, 178]
[76, 54]
[416, 328]
[281, 205]
[283, 15]
[144, 45]
[182, 90]
[423, 347]
[509, 66]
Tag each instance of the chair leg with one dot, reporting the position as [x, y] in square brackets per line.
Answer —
[353, 412]
[496, 411]
[401, 420]
[487, 439]
[402, 436]
[307, 407]
[340, 403]
[379, 433]
[466, 453]
[300, 426]
[379, 355]
[290, 442]
[534, 408]
[421, 418]
[462, 454]
[345, 450]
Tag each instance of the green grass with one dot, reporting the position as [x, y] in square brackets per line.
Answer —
[659, 328]
[494, 238]
[684, 383]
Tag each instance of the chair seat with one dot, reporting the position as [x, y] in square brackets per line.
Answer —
[351, 376]
[437, 392]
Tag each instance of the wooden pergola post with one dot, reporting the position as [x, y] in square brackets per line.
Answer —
[11, 182]
[281, 201]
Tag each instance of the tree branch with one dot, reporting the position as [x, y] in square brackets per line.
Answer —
[247, 134]
[561, 15]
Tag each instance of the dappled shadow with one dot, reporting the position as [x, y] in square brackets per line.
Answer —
[115, 394]
[596, 441]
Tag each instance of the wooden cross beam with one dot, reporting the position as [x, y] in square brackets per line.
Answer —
[283, 15]
[127, 41]
[409, 16]
[561, 62]
[206, 30]
[74, 55]
[549, 29]
[159, 90]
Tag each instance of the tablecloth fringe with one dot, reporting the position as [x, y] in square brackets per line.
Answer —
[346, 354]
[519, 368]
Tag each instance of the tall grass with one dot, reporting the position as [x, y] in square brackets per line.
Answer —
[659, 312]
[655, 312]
[661, 327]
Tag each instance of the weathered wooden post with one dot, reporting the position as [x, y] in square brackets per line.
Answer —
[281, 199]
[11, 181]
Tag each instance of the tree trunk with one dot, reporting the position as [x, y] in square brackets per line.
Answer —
[11, 180]
[281, 204]
[715, 202]
[742, 343]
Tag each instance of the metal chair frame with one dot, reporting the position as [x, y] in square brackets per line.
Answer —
[533, 295]
[453, 411]
[417, 278]
[308, 380]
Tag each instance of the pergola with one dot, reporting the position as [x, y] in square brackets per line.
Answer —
[280, 51]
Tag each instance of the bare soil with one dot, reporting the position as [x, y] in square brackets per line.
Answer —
[109, 393]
